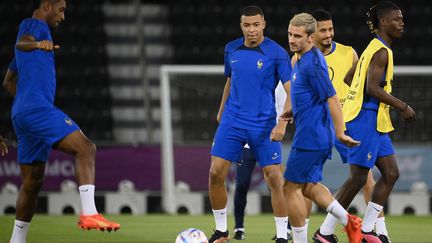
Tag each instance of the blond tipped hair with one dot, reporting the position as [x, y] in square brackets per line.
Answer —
[306, 20]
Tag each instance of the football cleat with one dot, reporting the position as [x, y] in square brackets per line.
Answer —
[370, 237]
[353, 229]
[384, 238]
[219, 237]
[320, 238]
[239, 234]
[281, 240]
[98, 222]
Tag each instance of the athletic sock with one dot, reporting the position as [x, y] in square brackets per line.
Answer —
[87, 199]
[338, 211]
[300, 234]
[380, 227]
[281, 227]
[19, 232]
[370, 217]
[220, 217]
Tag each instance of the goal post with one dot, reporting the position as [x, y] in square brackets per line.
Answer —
[167, 144]
[167, 147]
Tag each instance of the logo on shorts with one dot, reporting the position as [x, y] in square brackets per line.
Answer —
[260, 63]
[369, 156]
[275, 156]
[68, 121]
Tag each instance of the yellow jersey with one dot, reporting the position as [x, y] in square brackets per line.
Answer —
[339, 61]
[354, 100]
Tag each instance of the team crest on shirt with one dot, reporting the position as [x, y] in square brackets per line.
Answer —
[294, 77]
[369, 156]
[260, 63]
[68, 121]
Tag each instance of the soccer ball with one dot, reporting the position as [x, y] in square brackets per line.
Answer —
[191, 235]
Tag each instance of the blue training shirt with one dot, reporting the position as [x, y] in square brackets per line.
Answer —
[310, 89]
[36, 70]
[13, 66]
[255, 73]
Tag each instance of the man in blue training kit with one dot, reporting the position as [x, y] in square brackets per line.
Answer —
[254, 65]
[244, 170]
[40, 126]
[314, 105]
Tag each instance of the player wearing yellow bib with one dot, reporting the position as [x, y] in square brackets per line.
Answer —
[366, 113]
[340, 58]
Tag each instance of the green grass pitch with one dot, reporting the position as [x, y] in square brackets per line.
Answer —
[164, 228]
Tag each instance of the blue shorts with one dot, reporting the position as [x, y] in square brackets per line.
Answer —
[344, 151]
[229, 141]
[373, 145]
[305, 166]
[37, 131]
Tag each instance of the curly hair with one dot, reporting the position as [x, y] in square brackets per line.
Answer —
[376, 12]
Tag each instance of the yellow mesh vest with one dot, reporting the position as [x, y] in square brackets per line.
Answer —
[354, 100]
[339, 62]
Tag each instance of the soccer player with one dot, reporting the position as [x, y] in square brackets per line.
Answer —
[254, 65]
[340, 59]
[366, 113]
[3, 146]
[40, 126]
[244, 170]
[314, 105]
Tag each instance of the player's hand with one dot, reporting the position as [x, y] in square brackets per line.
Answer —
[3, 146]
[348, 141]
[278, 131]
[47, 45]
[287, 116]
[408, 114]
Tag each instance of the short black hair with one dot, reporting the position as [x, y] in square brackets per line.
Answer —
[377, 11]
[251, 10]
[321, 15]
[38, 3]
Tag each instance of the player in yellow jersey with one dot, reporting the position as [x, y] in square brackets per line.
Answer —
[340, 58]
[366, 113]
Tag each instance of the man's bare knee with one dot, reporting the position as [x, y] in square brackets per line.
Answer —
[87, 148]
[33, 184]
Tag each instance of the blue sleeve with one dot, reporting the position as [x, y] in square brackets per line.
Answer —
[13, 66]
[227, 70]
[320, 81]
[283, 66]
[28, 27]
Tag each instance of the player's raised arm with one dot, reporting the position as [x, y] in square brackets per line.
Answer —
[375, 71]
[29, 43]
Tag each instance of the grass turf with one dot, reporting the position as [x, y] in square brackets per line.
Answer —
[163, 228]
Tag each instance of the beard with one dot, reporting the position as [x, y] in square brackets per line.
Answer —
[326, 45]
